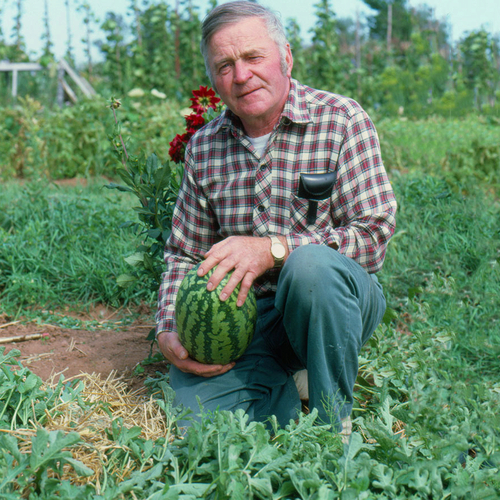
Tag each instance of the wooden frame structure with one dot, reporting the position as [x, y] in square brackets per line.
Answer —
[63, 88]
[15, 68]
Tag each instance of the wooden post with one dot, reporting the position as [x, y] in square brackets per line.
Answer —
[82, 83]
[60, 89]
[14, 83]
[389, 26]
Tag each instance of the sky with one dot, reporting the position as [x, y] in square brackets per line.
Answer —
[461, 15]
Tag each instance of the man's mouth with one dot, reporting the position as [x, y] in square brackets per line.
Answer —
[248, 92]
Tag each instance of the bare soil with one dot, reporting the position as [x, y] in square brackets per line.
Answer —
[112, 347]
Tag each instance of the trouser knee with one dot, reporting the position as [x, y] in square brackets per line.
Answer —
[314, 269]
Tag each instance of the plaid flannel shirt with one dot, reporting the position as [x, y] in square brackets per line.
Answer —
[228, 190]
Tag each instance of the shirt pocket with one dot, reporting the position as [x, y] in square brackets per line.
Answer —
[299, 208]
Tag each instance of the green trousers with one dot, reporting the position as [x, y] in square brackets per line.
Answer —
[325, 308]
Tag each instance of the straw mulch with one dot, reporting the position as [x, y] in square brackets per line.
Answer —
[113, 400]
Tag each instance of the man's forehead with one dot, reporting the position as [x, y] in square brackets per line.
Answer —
[241, 39]
[244, 30]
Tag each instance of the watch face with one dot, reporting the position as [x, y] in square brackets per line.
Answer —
[278, 251]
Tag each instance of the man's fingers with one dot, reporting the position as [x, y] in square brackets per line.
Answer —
[171, 347]
[202, 370]
[246, 285]
[245, 282]
[236, 278]
[218, 253]
[177, 355]
[219, 273]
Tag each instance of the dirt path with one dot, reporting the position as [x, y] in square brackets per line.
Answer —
[73, 351]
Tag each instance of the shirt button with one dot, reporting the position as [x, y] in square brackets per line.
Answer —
[261, 208]
[263, 167]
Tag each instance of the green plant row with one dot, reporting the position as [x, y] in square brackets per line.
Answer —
[38, 142]
[464, 152]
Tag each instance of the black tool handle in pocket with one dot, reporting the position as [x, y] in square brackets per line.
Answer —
[315, 187]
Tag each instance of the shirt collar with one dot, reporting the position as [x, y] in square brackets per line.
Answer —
[294, 111]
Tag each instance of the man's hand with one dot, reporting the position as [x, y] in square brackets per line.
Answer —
[248, 256]
[176, 354]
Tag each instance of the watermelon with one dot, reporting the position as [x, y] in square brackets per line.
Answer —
[213, 331]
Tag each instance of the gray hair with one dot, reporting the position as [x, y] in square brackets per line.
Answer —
[234, 12]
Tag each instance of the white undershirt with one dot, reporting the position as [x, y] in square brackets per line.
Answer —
[259, 143]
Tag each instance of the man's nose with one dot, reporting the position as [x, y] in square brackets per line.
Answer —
[241, 72]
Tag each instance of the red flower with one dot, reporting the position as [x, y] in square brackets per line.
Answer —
[203, 99]
[178, 146]
[194, 122]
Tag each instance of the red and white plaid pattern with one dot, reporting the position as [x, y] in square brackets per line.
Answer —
[228, 190]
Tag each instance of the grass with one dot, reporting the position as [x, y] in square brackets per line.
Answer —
[424, 145]
[426, 418]
[63, 247]
[445, 256]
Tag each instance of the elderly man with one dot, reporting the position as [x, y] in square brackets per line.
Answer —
[287, 189]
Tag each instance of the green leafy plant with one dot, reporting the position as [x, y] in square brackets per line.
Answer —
[155, 185]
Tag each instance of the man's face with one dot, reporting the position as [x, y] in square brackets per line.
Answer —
[246, 68]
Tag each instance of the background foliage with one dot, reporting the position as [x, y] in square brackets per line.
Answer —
[398, 60]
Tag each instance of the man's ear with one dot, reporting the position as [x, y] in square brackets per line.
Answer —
[289, 60]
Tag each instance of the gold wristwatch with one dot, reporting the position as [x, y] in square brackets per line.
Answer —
[278, 251]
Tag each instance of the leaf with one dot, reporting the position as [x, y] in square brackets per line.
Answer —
[262, 486]
[151, 335]
[9, 443]
[80, 468]
[13, 474]
[10, 357]
[355, 446]
[30, 383]
[126, 280]
[135, 259]
[48, 446]
[200, 490]
[154, 233]
[385, 478]
[152, 163]
[139, 479]
[126, 177]
[113, 185]
[161, 179]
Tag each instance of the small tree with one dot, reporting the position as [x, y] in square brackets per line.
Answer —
[297, 47]
[325, 67]
[116, 65]
[69, 43]
[47, 55]
[89, 19]
[478, 70]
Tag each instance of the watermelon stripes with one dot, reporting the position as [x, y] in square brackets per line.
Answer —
[213, 331]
